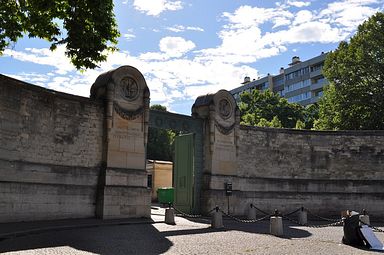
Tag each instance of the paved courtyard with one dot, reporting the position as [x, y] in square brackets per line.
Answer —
[186, 237]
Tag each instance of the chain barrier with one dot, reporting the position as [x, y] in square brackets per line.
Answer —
[191, 215]
[244, 221]
[322, 218]
[293, 212]
[375, 229]
[187, 215]
[260, 210]
[334, 224]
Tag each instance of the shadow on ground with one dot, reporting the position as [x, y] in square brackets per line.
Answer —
[108, 240]
[260, 227]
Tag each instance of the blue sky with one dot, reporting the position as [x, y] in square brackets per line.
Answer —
[187, 48]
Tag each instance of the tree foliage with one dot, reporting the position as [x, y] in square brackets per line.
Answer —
[300, 124]
[87, 27]
[160, 141]
[311, 115]
[329, 116]
[354, 100]
[269, 109]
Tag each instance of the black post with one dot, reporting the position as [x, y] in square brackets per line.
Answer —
[228, 204]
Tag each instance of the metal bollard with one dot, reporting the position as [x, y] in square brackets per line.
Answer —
[170, 216]
[276, 224]
[251, 212]
[364, 218]
[303, 216]
[217, 219]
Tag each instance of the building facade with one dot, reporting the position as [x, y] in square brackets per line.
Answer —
[301, 82]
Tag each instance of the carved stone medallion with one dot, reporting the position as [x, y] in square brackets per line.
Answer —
[129, 89]
[225, 108]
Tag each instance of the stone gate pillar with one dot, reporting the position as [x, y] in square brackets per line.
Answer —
[123, 188]
[221, 126]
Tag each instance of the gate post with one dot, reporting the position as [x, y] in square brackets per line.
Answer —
[122, 189]
[221, 118]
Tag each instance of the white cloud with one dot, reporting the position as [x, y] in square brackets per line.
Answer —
[155, 7]
[244, 39]
[175, 46]
[308, 32]
[281, 21]
[302, 17]
[129, 35]
[181, 28]
[44, 56]
[176, 28]
[199, 29]
[248, 16]
[299, 4]
[169, 80]
[148, 56]
[34, 78]
[348, 13]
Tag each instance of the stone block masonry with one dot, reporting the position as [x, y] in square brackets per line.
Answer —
[50, 153]
[324, 171]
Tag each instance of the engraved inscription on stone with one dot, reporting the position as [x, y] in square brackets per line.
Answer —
[129, 89]
[225, 108]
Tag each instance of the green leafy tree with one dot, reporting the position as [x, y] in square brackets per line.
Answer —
[276, 123]
[355, 100]
[257, 105]
[311, 114]
[87, 27]
[300, 124]
[263, 123]
[160, 140]
[329, 113]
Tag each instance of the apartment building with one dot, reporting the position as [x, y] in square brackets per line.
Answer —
[301, 82]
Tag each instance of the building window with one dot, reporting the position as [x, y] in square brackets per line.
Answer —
[297, 73]
[297, 85]
[316, 67]
[279, 82]
[265, 86]
[320, 80]
[300, 97]
[305, 70]
[319, 93]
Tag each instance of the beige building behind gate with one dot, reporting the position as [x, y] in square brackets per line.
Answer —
[160, 175]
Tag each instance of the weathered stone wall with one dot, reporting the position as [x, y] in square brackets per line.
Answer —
[50, 153]
[326, 172]
[64, 156]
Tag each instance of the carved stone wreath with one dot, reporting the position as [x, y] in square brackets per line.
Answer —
[224, 130]
[126, 114]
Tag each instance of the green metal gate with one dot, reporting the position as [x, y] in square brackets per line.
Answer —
[183, 172]
[188, 165]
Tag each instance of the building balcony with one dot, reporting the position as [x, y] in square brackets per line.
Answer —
[318, 85]
[318, 72]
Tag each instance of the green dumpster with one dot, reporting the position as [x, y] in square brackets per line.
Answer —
[165, 195]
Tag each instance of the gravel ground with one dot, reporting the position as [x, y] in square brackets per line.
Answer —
[186, 237]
